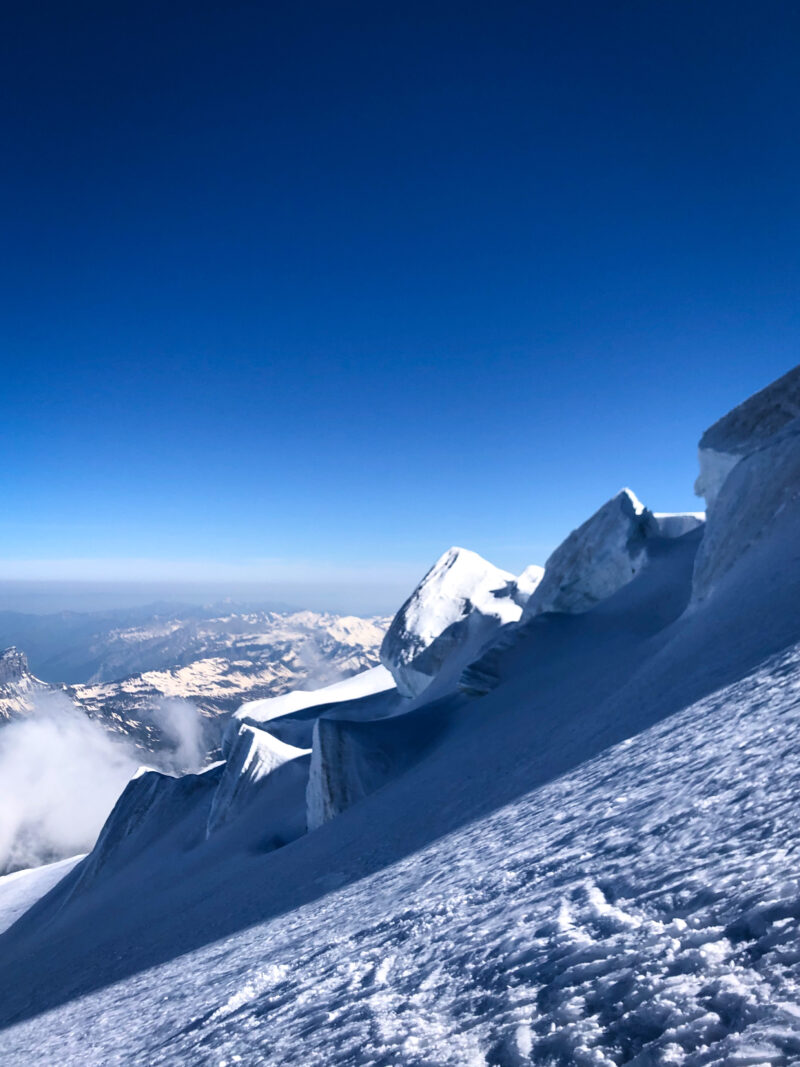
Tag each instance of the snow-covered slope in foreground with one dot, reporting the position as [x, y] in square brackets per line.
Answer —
[641, 909]
[596, 863]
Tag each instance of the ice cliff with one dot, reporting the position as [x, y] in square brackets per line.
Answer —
[743, 430]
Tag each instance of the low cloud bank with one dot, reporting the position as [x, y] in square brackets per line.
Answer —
[181, 727]
[60, 774]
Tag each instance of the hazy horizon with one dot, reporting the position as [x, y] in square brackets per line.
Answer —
[51, 597]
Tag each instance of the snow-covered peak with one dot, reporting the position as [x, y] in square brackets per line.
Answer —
[597, 559]
[450, 614]
[744, 429]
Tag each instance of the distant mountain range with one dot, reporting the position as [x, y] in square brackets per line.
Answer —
[215, 658]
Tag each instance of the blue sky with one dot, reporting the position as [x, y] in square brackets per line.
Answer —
[307, 292]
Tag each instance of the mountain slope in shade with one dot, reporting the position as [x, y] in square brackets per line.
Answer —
[595, 863]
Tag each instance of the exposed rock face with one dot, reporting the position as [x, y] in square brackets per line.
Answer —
[743, 430]
[19, 689]
[452, 613]
[597, 559]
[13, 666]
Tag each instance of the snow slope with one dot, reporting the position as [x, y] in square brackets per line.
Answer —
[20, 891]
[640, 909]
[256, 762]
[375, 680]
[593, 864]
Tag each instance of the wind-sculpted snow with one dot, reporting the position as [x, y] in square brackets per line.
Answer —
[456, 608]
[743, 430]
[642, 909]
[256, 761]
[676, 524]
[375, 680]
[527, 583]
[597, 559]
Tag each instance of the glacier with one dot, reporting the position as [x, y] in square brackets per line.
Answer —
[565, 837]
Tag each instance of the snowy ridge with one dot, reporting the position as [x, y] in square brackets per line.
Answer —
[375, 680]
[593, 864]
[253, 757]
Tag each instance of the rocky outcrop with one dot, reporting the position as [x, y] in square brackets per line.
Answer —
[19, 689]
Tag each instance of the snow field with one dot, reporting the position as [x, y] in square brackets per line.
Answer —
[641, 910]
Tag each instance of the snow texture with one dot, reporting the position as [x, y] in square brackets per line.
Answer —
[456, 608]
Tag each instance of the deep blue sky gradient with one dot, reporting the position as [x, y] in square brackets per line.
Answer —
[337, 285]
